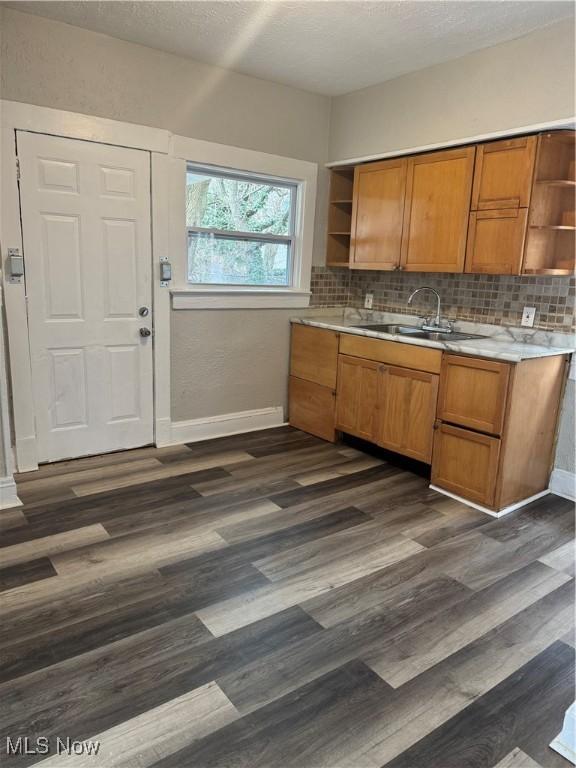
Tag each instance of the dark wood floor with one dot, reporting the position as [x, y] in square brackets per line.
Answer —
[272, 600]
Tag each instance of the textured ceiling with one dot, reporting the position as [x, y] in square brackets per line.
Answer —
[326, 46]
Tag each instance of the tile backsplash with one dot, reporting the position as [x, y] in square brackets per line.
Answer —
[496, 299]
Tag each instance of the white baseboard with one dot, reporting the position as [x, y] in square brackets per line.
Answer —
[565, 742]
[480, 508]
[563, 483]
[226, 424]
[8, 493]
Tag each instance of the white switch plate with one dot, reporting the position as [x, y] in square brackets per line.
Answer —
[528, 315]
[368, 300]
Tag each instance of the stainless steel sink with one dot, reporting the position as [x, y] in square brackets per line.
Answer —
[418, 333]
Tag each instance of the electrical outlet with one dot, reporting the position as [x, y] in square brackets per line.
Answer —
[368, 300]
[528, 315]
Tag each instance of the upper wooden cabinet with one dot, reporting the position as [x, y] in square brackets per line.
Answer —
[503, 174]
[339, 217]
[496, 241]
[377, 214]
[438, 189]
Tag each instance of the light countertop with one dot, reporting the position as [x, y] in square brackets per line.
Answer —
[500, 343]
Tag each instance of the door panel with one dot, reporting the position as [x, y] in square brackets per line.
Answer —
[438, 189]
[311, 408]
[86, 228]
[496, 241]
[503, 174]
[407, 411]
[357, 397]
[377, 214]
[466, 463]
[473, 393]
[314, 355]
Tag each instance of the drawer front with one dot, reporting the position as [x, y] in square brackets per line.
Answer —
[312, 408]
[392, 352]
[473, 393]
[314, 355]
[466, 463]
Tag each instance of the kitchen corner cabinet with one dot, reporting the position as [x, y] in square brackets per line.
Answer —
[377, 215]
[438, 189]
[494, 440]
[312, 386]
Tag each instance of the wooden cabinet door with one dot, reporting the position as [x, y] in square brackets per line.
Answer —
[407, 409]
[357, 397]
[438, 188]
[311, 408]
[314, 355]
[503, 174]
[473, 393]
[496, 241]
[377, 214]
[466, 463]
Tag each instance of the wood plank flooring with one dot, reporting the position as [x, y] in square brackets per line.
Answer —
[273, 600]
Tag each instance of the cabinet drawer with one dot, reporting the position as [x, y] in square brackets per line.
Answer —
[392, 352]
[466, 463]
[496, 241]
[311, 408]
[473, 393]
[314, 355]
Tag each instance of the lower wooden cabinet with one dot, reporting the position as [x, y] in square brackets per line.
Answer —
[357, 397]
[466, 463]
[407, 409]
[312, 408]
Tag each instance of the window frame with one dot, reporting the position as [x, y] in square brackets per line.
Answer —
[240, 235]
[304, 173]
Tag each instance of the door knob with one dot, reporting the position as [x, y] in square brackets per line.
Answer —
[145, 332]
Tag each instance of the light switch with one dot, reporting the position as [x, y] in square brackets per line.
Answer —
[368, 300]
[528, 315]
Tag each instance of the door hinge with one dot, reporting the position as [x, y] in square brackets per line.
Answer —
[17, 169]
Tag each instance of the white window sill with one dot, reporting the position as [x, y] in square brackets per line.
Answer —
[239, 298]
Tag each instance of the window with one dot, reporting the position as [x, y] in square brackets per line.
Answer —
[240, 228]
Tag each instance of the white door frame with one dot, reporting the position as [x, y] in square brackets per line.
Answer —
[26, 117]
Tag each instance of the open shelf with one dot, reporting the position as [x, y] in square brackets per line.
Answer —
[549, 272]
[557, 182]
[553, 226]
[551, 237]
[339, 216]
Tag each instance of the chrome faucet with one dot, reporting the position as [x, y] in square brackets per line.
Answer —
[435, 323]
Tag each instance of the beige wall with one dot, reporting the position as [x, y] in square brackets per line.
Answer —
[229, 361]
[224, 361]
[526, 81]
[56, 65]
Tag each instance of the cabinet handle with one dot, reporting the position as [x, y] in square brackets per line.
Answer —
[437, 424]
[382, 368]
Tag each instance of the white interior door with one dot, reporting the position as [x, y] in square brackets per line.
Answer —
[87, 247]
